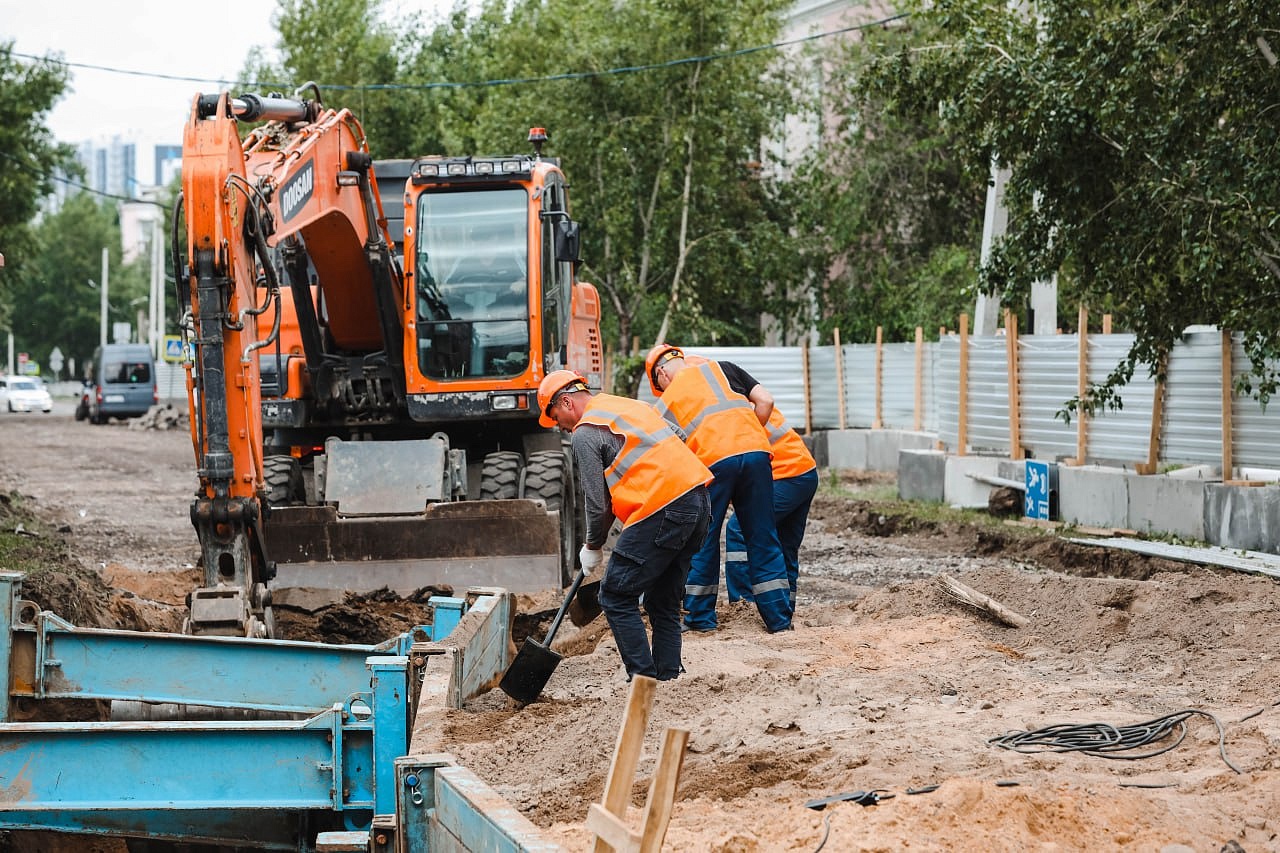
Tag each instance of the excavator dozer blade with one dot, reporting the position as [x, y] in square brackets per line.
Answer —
[319, 554]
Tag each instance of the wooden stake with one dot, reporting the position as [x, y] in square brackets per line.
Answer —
[1106, 324]
[918, 420]
[808, 400]
[1228, 395]
[1157, 424]
[626, 753]
[1082, 385]
[963, 391]
[662, 790]
[1015, 400]
[607, 383]
[878, 422]
[607, 821]
[840, 377]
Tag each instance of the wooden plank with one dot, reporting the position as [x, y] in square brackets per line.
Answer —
[626, 753]
[1106, 324]
[918, 418]
[987, 604]
[662, 790]
[611, 830]
[1082, 386]
[963, 407]
[840, 378]
[1228, 395]
[1015, 398]
[878, 421]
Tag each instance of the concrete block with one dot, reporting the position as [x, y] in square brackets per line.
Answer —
[883, 446]
[1012, 469]
[1166, 505]
[921, 474]
[1245, 517]
[1093, 496]
[964, 491]
[817, 444]
[847, 448]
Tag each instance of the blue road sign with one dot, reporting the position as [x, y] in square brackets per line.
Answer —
[1037, 480]
[172, 348]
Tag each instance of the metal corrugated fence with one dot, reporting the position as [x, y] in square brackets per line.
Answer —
[1191, 429]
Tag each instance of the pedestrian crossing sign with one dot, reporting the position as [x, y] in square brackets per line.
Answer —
[172, 348]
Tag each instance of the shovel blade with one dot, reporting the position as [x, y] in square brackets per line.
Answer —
[585, 606]
[529, 672]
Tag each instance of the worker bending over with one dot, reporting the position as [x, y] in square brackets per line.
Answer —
[724, 429]
[795, 482]
[657, 488]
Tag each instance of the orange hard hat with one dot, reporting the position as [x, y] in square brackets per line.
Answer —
[656, 356]
[551, 386]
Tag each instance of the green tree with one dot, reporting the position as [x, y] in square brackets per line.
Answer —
[885, 205]
[1145, 161]
[55, 303]
[683, 233]
[356, 57]
[29, 156]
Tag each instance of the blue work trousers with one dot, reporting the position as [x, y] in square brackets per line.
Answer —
[651, 559]
[744, 481]
[792, 497]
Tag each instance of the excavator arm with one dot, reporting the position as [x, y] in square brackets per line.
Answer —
[297, 193]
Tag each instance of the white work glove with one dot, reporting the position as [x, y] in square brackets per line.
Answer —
[590, 559]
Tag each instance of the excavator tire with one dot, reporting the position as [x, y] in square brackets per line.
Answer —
[283, 477]
[549, 477]
[500, 476]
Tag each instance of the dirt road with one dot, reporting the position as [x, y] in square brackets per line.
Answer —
[886, 683]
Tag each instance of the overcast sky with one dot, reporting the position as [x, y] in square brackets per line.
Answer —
[206, 43]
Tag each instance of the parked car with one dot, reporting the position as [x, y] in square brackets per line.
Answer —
[24, 394]
[123, 382]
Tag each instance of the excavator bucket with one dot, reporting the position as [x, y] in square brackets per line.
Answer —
[513, 544]
[388, 521]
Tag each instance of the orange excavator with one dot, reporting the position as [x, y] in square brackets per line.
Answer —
[363, 379]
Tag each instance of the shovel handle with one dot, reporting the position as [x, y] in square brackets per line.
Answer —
[555, 624]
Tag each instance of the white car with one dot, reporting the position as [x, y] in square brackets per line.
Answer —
[24, 394]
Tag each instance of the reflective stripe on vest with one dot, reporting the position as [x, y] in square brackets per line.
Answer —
[653, 468]
[718, 421]
[791, 457]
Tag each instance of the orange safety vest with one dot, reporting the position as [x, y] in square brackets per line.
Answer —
[718, 421]
[791, 457]
[653, 468]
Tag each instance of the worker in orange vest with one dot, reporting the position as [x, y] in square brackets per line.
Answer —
[795, 482]
[724, 429]
[635, 467]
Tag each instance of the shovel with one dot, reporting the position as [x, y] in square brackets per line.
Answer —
[534, 663]
[585, 606]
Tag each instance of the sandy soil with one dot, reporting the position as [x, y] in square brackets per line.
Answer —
[886, 684]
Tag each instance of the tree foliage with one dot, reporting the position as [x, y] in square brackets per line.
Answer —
[356, 56]
[54, 302]
[1145, 160]
[683, 235]
[884, 204]
[29, 156]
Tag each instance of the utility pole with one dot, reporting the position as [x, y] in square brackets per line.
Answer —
[102, 324]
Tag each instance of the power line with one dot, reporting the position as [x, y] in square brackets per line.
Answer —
[510, 81]
[76, 184]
